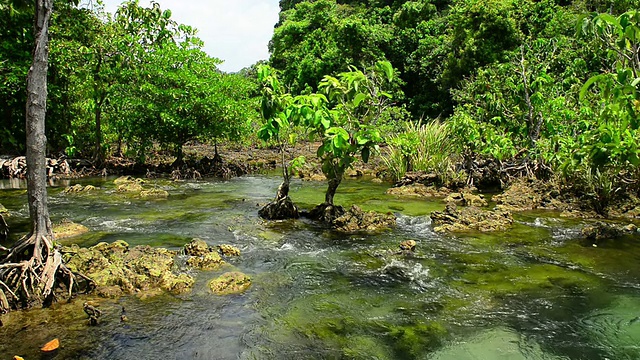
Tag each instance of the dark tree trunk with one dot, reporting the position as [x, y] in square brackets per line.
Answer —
[32, 267]
[99, 156]
[98, 100]
[331, 190]
[36, 139]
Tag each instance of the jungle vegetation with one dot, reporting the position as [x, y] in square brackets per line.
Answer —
[550, 86]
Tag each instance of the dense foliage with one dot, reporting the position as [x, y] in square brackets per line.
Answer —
[552, 84]
[118, 84]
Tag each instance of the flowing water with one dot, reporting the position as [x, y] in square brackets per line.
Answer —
[534, 292]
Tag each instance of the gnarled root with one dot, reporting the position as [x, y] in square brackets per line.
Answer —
[326, 213]
[4, 228]
[32, 271]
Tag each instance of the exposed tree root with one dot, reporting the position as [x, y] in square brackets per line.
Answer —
[30, 278]
[282, 207]
[4, 229]
[326, 213]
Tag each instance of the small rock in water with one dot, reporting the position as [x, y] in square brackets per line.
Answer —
[408, 245]
[228, 250]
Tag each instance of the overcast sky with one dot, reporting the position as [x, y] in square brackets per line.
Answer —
[236, 31]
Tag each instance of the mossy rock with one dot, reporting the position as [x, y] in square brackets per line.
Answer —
[67, 229]
[131, 187]
[79, 189]
[3, 210]
[208, 261]
[419, 190]
[230, 283]
[126, 180]
[466, 199]
[357, 220]
[154, 194]
[470, 219]
[196, 247]
[599, 231]
[113, 266]
[228, 250]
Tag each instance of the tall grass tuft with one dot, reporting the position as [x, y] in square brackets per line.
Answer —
[426, 147]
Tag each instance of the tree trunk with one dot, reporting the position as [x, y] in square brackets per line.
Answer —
[99, 157]
[36, 139]
[31, 268]
[331, 190]
[98, 99]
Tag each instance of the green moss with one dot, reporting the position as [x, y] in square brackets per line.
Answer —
[230, 283]
[366, 194]
[410, 342]
[525, 278]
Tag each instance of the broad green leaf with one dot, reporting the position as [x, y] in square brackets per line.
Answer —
[358, 99]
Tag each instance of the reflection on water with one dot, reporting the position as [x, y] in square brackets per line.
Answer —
[534, 292]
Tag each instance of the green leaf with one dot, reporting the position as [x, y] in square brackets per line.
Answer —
[387, 69]
[358, 99]
[587, 85]
[366, 152]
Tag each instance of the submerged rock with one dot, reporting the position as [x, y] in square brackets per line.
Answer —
[357, 220]
[419, 190]
[67, 229]
[126, 180]
[470, 218]
[604, 231]
[154, 194]
[79, 189]
[118, 270]
[131, 187]
[230, 283]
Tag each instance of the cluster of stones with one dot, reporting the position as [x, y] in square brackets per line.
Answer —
[118, 269]
[469, 218]
[135, 186]
[355, 220]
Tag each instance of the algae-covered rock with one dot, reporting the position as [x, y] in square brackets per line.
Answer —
[408, 245]
[127, 179]
[79, 189]
[196, 247]
[67, 229]
[154, 194]
[131, 187]
[470, 218]
[466, 199]
[603, 231]
[357, 220]
[202, 256]
[228, 250]
[230, 283]
[116, 269]
[3, 210]
[419, 190]
[208, 261]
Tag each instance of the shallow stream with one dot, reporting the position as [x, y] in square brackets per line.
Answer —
[534, 292]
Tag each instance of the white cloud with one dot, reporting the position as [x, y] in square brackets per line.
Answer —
[236, 31]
